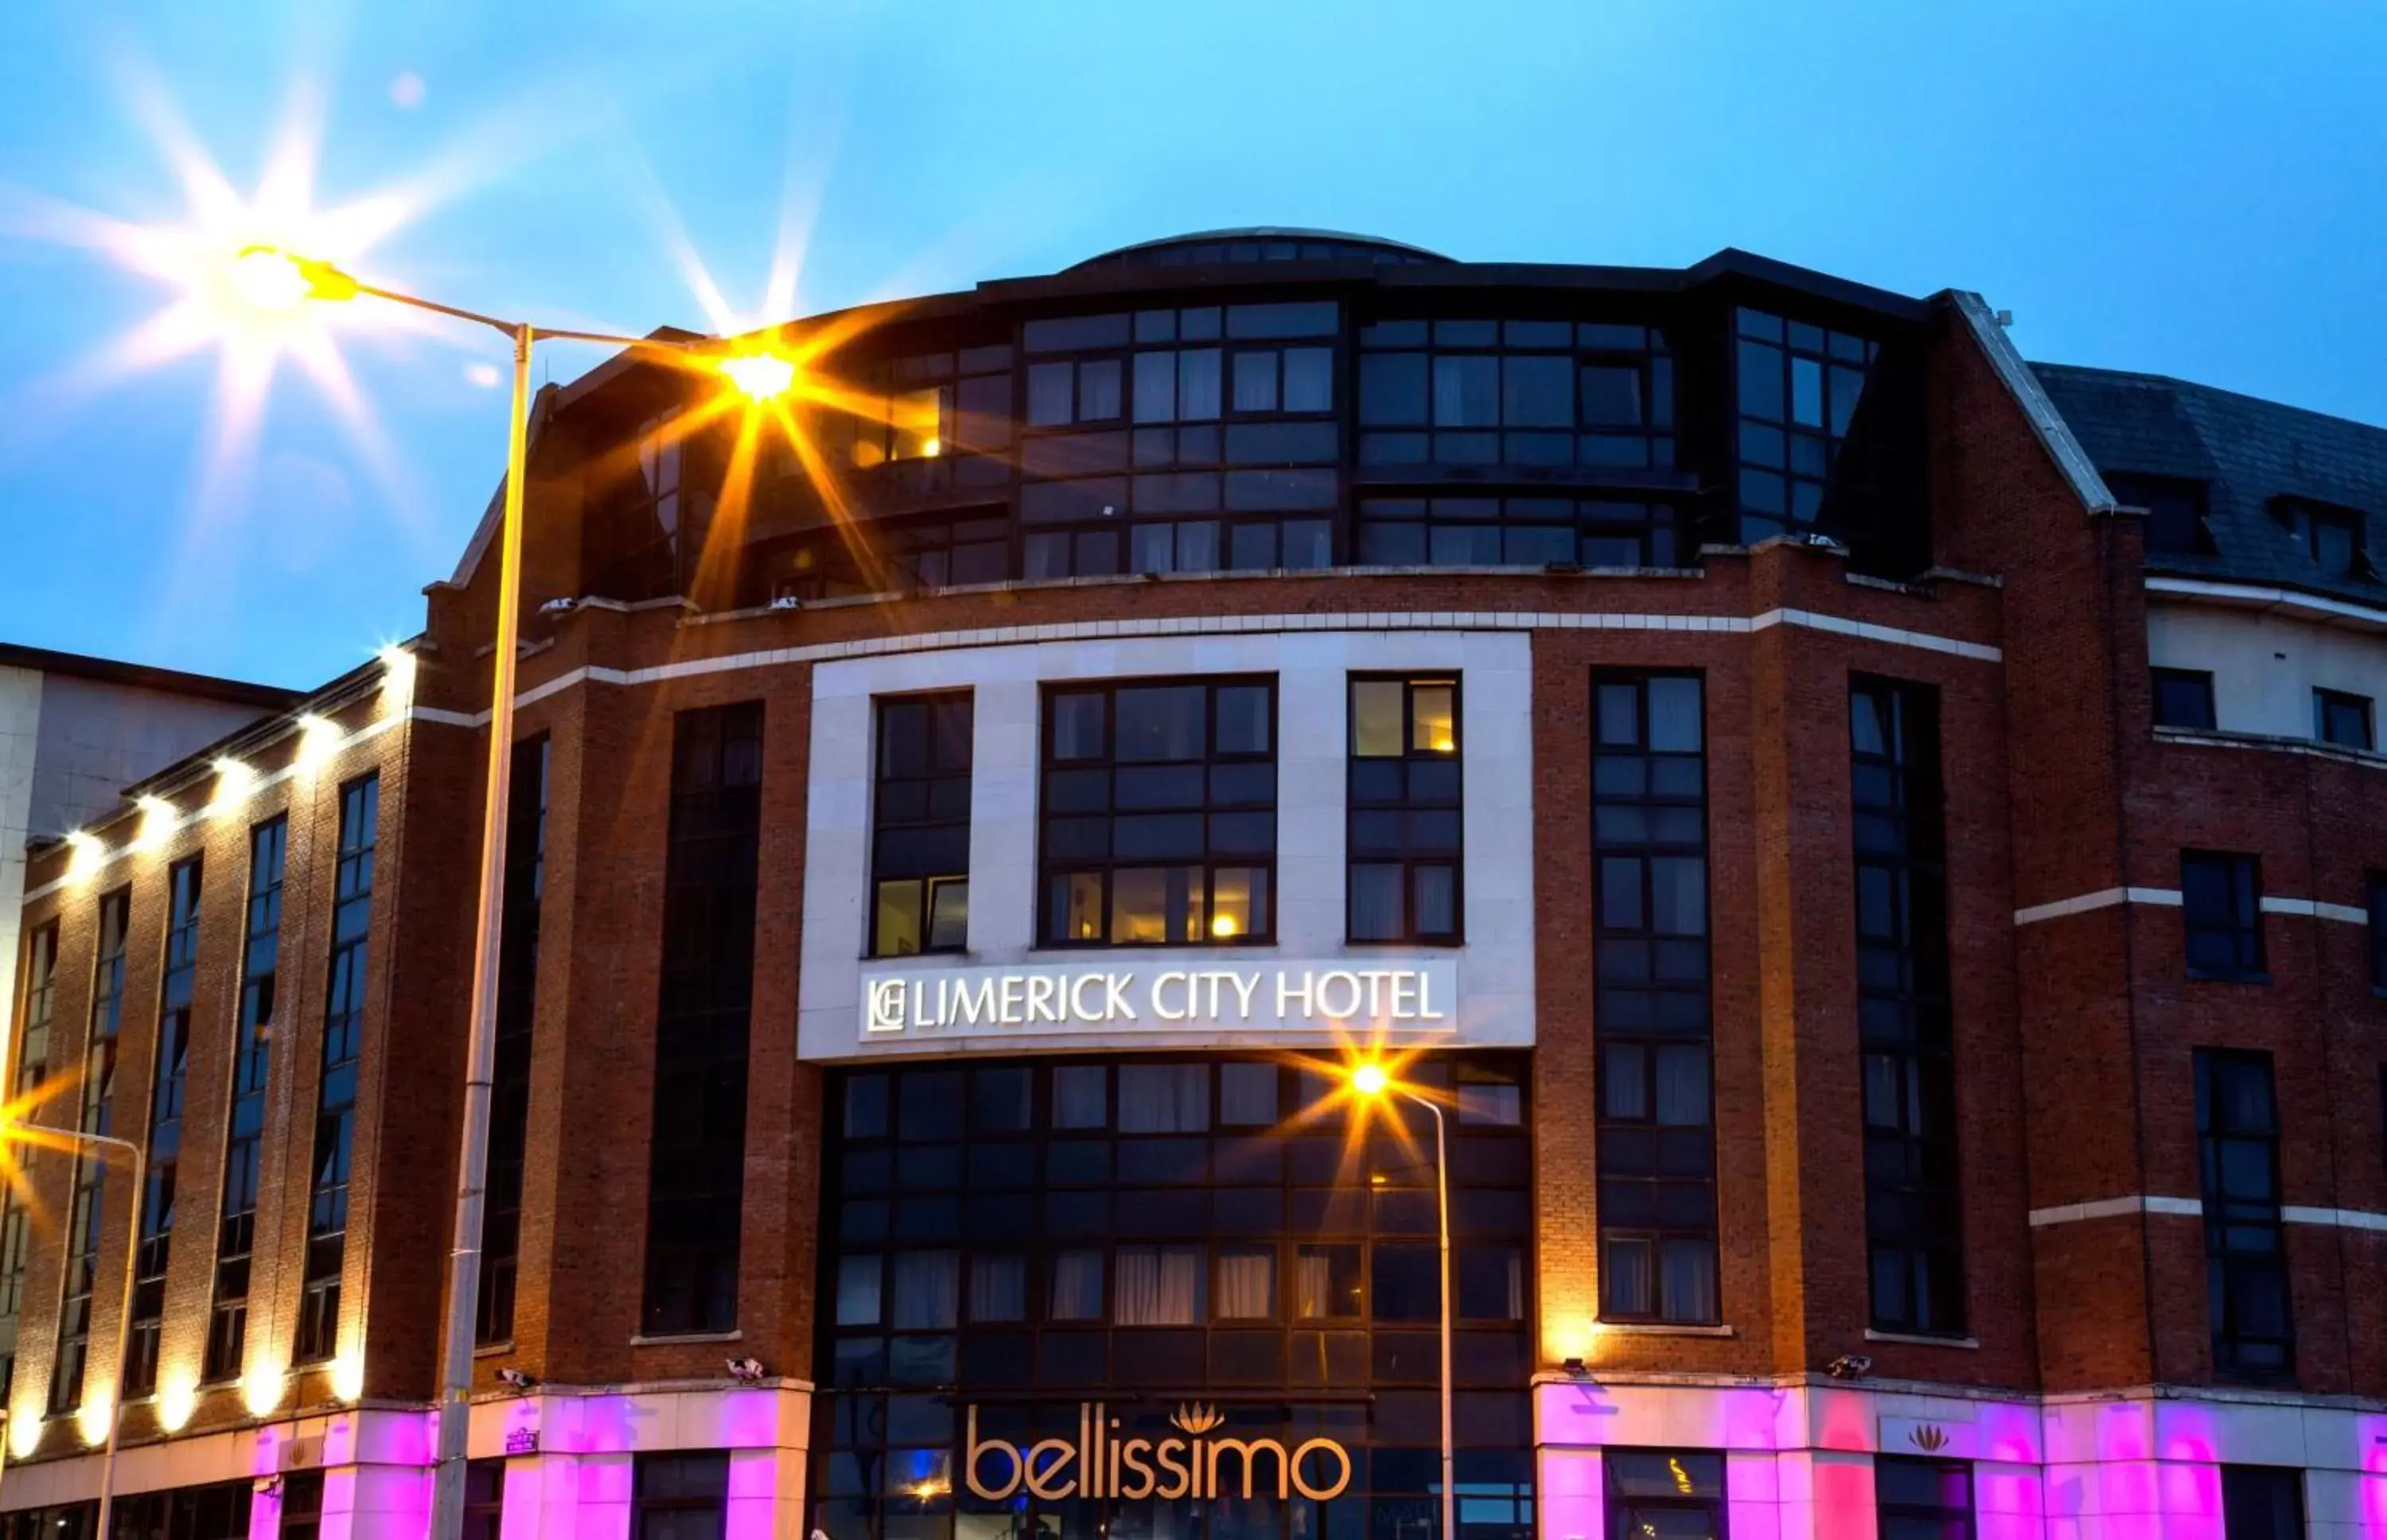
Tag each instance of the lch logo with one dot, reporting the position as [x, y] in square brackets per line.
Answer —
[1099, 1464]
[1929, 1438]
[887, 998]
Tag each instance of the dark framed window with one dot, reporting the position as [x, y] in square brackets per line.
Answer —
[1676, 1494]
[218, 1512]
[2246, 1247]
[1650, 1012]
[698, 1162]
[887, 556]
[2331, 534]
[37, 1003]
[516, 1022]
[1922, 1499]
[168, 1083]
[302, 1506]
[2262, 1502]
[921, 826]
[1159, 813]
[2378, 932]
[2221, 907]
[1404, 830]
[1145, 1230]
[2183, 698]
[86, 1221]
[1521, 532]
[1824, 436]
[484, 1499]
[1535, 393]
[2343, 719]
[252, 1066]
[2175, 505]
[679, 1496]
[928, 422]
[336, 1101]
[1913, 1205]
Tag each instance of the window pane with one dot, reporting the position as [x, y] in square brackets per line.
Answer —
[1466, 391]
[1435, 727]
[1156, 387]
[1197, 384]
[1255, 382]
[1098, 390]
[1309, 379]
[1376, 708]
[1376, 903]
[1537, 392]
[1392, 389]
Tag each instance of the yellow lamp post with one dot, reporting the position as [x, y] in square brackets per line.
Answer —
[271, 278]
[1370, 1080]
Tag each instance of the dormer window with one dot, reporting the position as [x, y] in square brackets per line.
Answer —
[2175, 508]
[2331, 534]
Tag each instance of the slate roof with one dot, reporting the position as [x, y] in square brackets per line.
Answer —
[2248, 452]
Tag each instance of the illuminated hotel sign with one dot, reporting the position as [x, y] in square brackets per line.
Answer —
[1378, 996]
[1099, 1464]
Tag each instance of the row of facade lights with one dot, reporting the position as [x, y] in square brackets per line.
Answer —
[320, 737]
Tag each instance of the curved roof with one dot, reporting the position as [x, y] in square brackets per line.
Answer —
[1260, 243]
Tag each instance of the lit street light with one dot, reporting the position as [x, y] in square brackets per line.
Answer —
[275, 279]
[14, 1132]
[1371, 1082]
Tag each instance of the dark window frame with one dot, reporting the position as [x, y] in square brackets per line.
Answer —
[1906, 1033]
[347, 975]
[1389, 434]
[2245, 1234]
[2262, 1502]
[934, 779]
[1409, 855]
[2318, 528]
[86, 1216]
[2344, 720]
[2239, 932]
[2199, 681]
[1940, 1519]
[1050, 867]
[168, 1083]
[1533, 532]
[1625, 1508]
[2175, 509]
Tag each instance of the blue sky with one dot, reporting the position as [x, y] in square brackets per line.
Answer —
[2192, 189]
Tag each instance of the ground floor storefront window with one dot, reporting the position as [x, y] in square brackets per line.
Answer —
[1130, 1287]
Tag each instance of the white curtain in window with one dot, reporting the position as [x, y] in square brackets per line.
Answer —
[1674, 715]
[1158, 1285]
[1248, 1285]
[1687, 1279]
[1077, 1285]
[1313, 1286]
[1376, 901]
[1516, 1287]
[928, 1290]
[1630, 1288]
[1683, 1086]
[999, 1288]
[1164, 1098]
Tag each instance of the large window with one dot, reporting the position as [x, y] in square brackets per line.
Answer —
[2176, 508]
[35, 1008]
[1405, 812]
[1019, 1237]
[168, 1082]
[1914, 1219]
[1537, 531]
[1650, 1014]
[2262, 1502]
[2183, 698]
[698, 1160]
[1187, 440]
[1159, 813]
[336, 1100]
[252, 1066]
[1825, 443]
[920, 824]
[2221, 911]
[1533, 393]
[1922, 1499]
[1678, 1495]
[2245, 1250]
[517, 1016]
[85, 1220]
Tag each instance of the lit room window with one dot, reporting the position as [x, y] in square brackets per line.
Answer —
[2183, 698]
[2246, 1247]
[1650, 1015]
[2343, 719]
[2221, 913]
[920, 811]
[1676, 1494]
[1405, 814]
[1159, 814]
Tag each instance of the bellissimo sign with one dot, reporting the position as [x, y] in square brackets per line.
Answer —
[1380, 995]
[1101, 1464]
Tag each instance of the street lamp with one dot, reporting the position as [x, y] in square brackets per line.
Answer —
[274, 279]
[1371, 1082]
[16, 1133]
